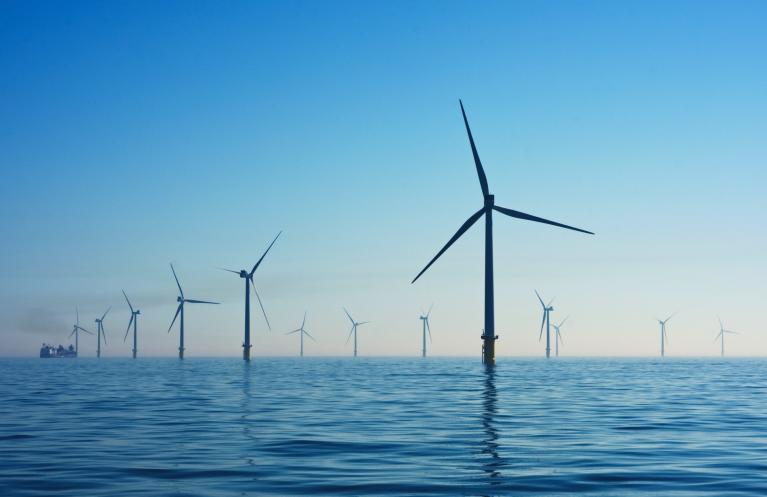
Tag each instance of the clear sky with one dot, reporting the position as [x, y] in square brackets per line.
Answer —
[134, 134]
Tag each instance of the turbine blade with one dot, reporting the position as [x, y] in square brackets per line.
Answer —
[348, 315]
[83, 329]
[260, 304]
[363, 322]
[350, 334]
[262, 257]
[563, 321]
[228, 270]
[310, 336]
[132, 316]
[199, 301]
[73, 332]
[717, 336]
[77, 313]
[461, 231]
[428, 330]
[304, 321]
[126, 299]
[177, 283]
[294, 331]
[428, 313]
[540, 299]
[104, 333]
[721, 325]
[178, 310]
[528, 217]
[669, 318]
[559, 337]
[543, 321]
[480, 169]
[107, 312]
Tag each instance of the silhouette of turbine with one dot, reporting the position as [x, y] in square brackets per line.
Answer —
[723, 332]
[558, 335]
[488, 333]
[76, 329]
[426, 329]
[248, 277]
[180, 310]
[663, 335]
[547, 309]
[100, 332]
[133, 320]
[303, 332]
[353, 330]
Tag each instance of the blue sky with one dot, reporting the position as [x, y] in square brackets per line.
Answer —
[136, 134]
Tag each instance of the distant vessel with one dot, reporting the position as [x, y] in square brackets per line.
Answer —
[49, 351]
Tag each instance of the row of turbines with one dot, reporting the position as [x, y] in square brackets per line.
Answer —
[488, 332]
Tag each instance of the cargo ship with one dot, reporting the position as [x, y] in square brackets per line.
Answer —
[50, 351]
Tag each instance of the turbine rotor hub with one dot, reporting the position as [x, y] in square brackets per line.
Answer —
[489, 201]
[243, 273]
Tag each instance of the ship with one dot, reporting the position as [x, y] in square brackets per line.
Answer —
[49, 351]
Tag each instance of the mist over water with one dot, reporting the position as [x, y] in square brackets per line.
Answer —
[325, 426]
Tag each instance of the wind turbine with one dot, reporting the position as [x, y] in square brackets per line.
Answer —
[546, 319]
[663, 335]
[488, 333]
[100, 332]
[303, 332]
[133, 320]
[353, 330]
[180, 310]
[426, 329]
[248, 277]
[76, 329]
[723, 332]
[558, 335]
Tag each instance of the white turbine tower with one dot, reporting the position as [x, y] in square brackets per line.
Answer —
[663, 335]
[426, 329]
[303, 332]
[558, 335]
[353, 331]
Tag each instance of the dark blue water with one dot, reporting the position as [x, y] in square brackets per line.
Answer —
[383, 426]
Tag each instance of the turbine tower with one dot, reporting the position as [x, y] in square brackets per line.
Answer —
[723, 332]
[100, 332]
[76, 329]
[353, 330]
[488, 333]
[303, 332]
[133, 320]
[558, 335]
[547, 309]
[180, 310]
[248, 277]
[663, 335]
[426, 329]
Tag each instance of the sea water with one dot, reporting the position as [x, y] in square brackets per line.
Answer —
[383, 426]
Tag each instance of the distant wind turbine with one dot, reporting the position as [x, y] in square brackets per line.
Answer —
[302, 332]
[663, 335]
[722, 333]
[76, 329]
[558, 335]
[248, 277]
[100, 332]
[426, 329]
[547, 309]
[488, 333]
[180, 310]
[353, 330]
[133, 320]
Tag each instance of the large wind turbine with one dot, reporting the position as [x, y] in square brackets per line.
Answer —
[76, 329]
[426, 329]
[353, 330]
[723, 332]
[663, 335]
[100, 332]
[488, 334]
[180, 310]
[303, 332]
[547, 309]
[133, 320]
[248, 277]
[558, 335]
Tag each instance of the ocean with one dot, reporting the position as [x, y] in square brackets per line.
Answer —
[383, 426]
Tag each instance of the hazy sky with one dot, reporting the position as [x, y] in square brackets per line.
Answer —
[136, 134]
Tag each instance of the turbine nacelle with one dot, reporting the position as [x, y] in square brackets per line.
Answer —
[489, 201]
[243, 273]
[179, 299]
